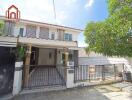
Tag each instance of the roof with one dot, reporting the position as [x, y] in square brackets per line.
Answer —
[12, 6]
[42, 23]
[101, 60]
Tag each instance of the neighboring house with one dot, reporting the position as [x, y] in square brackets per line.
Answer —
[93, 66]
[49, 49]
[92, 58]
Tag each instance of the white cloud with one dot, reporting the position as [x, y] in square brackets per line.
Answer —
[89, 3]
[42, 10]
[70, 2]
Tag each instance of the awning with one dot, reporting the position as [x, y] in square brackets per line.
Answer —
[8, 41]
[7, 44]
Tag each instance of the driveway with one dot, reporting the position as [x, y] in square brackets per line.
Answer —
[85, 93]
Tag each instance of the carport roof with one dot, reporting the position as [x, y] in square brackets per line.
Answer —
[101, 61]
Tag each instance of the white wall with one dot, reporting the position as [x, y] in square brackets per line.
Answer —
[74, 34]
[44, 57]
[53, 30]
[17, 28]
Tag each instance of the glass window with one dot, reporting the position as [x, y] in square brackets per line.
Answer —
[70, 57]
[68, 37]
[50, 55]
[21, 32]
[52, 36]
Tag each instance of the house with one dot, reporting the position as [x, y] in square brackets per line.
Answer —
[50, 51]
[94, 66]
[52, 58]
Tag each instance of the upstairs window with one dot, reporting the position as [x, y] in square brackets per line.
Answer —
[21, 32]
[52, 36]
[68, 37]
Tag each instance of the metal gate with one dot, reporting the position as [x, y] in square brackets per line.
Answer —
[7, 65]
[48, 76]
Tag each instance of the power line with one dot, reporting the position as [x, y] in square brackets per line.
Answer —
[54, 9]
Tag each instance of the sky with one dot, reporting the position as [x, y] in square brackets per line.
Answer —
[73, 13]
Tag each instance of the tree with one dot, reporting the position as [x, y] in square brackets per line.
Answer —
[112, 37]
[1, 27]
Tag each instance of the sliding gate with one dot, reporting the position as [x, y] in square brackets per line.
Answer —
[46, 76]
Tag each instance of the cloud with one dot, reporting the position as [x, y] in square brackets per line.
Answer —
[89, 3]
[42, 10]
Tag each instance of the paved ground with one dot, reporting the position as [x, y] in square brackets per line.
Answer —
[124, 86]
[105, 92]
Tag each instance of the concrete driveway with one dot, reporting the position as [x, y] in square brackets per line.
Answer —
[85, 93]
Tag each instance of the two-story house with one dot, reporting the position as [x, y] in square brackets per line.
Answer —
[49, 49]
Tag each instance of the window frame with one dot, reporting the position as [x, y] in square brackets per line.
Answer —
[67, 37]
[21, 34]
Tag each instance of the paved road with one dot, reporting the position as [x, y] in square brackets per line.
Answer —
[84, 93]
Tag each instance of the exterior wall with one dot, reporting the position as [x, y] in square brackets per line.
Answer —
[60, 34]
[31, 33]
[47, 43]
[17, 29]
[129, 60]
[74, 35]
[53, 30]
[44, 58]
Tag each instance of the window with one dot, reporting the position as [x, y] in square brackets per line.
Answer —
[68, 37]
[50, 55]
[63, 58]
[52, 36]
[21, 32]
[70, 57]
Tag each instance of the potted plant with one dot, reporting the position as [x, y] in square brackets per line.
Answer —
[20, 53]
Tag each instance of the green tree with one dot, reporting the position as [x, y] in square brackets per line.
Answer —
[1, 27]
[112, 37]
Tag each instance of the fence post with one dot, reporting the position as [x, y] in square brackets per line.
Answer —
[69, 72]
[115, 71]
[89, 72]
[70, 78]
[103, 74]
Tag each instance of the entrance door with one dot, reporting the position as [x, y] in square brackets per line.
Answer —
[7, 65]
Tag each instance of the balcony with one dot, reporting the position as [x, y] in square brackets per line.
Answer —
[36, 42]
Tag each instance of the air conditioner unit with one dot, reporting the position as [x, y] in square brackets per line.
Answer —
[70, 63]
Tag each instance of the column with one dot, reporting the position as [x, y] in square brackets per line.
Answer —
[37, 32]
[27, 65]
[17, 78]
[69, 72]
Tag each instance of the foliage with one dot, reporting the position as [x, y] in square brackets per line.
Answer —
[20, 53]
[112, 37]
[1, 27]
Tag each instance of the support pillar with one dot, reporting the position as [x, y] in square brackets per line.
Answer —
[17, 78]
[27, 65]
[69, 72]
